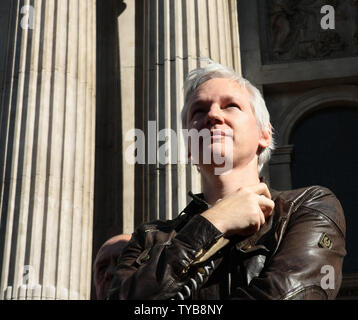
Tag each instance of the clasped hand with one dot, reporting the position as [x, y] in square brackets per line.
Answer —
[243, 212]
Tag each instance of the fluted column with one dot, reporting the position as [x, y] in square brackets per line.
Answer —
[175, 35]
[47, 151]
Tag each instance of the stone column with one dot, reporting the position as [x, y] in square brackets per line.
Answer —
[174, 35]
[126, 36]
[47, 131]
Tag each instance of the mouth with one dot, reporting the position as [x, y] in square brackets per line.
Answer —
[219, 133]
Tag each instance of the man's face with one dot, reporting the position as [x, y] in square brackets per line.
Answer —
[222, 105]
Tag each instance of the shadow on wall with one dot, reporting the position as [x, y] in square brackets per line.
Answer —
[108, 187]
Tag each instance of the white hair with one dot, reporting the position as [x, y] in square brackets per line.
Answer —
[212, 70]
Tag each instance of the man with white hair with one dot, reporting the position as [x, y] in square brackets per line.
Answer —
[239, 239]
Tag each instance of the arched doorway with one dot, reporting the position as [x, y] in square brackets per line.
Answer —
[325, 153]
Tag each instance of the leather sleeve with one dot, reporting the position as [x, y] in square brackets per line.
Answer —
[308, 262]
[154, 263]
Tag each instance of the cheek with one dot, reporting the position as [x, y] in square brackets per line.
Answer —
[247, 132]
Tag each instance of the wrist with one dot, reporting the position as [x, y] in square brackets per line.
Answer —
[211, 216]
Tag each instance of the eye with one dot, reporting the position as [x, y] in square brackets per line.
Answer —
[232, 105]
[196, 112]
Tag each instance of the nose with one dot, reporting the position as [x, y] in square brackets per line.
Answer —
[214, 116]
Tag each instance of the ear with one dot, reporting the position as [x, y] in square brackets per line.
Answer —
[265, 137]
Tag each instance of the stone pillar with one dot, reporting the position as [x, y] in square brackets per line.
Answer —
[47, 131]
[126, 40]
[280, 168]
[171, 37]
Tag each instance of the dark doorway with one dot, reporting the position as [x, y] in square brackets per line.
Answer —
[325, 153]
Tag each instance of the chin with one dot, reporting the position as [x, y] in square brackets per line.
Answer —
[219, 151]
[215, 154]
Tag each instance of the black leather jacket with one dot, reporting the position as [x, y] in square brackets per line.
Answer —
[297, 254]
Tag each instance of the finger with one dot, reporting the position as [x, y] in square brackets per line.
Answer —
[262, 218]
[261, 189]
[263, 200]
[266, 205]
[267, 212]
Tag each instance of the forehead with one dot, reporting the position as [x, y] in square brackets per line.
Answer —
[221, 89]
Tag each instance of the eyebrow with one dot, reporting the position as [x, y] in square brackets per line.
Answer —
[229, 98]
[199, 102]
[223, 98]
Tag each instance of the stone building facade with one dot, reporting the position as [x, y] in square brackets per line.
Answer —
[309, 78]
[77, 76]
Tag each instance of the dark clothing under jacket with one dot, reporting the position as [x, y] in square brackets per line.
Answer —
[297, 254]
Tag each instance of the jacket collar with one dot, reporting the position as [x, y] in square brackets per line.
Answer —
[199, 204]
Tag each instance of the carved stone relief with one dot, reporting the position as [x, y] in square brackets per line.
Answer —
[295, 33]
